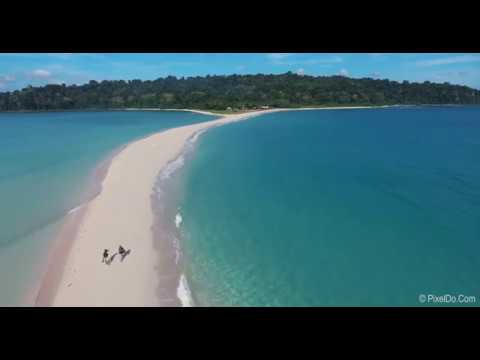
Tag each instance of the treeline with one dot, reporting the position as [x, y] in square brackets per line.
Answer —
[236, 91]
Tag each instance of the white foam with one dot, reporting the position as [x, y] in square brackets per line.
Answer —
[178, 251]
[183, 292]
[176, 241]
[178, 220]
[196, 135]
[71, 211]
[176, 164]
[171, 167]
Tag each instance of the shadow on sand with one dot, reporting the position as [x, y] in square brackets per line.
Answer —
[125, 254]
[109, 261]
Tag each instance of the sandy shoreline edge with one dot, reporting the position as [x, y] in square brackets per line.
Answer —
[63, 241]
[121, 213]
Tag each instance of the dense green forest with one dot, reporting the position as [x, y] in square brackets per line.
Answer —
[237, 92]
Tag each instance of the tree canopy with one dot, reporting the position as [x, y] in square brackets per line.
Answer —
[235, 91]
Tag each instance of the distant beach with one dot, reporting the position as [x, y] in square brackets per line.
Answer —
[224, 113]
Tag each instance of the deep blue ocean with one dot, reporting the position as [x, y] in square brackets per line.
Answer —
[370, 207]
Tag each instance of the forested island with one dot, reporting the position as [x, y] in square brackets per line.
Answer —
[235, 92]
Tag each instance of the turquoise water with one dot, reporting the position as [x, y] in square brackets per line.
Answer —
[335, 208]
[46, 161]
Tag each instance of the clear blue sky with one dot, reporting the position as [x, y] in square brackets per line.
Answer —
[20, 70]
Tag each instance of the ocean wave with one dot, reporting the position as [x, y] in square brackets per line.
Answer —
[162, 186]
[195, 136]
[178, 250]
[179, 161]
[176, 242]
[76, 208]
[183, 292]
[171, 167]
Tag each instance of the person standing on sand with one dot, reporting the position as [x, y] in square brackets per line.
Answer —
[105, 255]
[123, 252]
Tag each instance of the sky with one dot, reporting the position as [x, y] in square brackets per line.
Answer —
[20, 70]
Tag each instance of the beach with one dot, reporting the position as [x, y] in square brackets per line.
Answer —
[121, 214]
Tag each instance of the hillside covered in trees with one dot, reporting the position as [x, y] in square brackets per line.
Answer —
[235, 91]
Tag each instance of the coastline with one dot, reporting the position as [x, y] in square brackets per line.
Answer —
[62, 243]
[208, 112]
[120, 214]
[223, 112]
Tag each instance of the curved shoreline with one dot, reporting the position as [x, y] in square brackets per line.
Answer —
[172, 287]
[120, 214]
